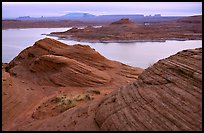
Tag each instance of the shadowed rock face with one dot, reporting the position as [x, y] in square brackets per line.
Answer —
[166, 96]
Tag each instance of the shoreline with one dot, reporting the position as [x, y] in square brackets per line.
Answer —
[62, 37]
[79, 27]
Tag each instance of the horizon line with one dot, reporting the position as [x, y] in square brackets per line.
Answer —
[152, 15]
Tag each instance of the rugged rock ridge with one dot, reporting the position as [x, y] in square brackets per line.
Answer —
[50, 62]
[166, 96]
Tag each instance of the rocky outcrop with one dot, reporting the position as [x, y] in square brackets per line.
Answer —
[51, 78]
[50, 84]
[124, 21]
[166, 96]
[64, 71]
[47, 87]
[125, 30]
[49, 62]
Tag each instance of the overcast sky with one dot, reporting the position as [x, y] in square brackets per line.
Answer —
[38, 9]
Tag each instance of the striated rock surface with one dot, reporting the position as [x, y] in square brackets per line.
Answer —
[52, 86]
[65, 71]
[51, 79]
[166, 96]
[50, 62]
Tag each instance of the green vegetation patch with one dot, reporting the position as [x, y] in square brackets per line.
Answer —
[64, 102]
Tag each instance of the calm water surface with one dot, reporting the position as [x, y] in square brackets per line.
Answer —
[139, 54]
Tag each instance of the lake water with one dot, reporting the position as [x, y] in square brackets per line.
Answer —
[139, 54]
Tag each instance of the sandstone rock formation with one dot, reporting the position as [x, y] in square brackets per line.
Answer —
[50, 78]
[53, 86]
[50, 62]
[166, 96]
[125, 30]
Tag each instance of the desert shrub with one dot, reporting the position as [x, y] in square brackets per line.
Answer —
[82, 97]
[68, 103]
[64, 103]
[56, 99]
[87, 97]
[79, 97]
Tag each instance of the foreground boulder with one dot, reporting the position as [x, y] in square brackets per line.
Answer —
[166, 96]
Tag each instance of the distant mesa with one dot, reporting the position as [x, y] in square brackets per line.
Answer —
[78, 15]
[24, 17]
[157, 15]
